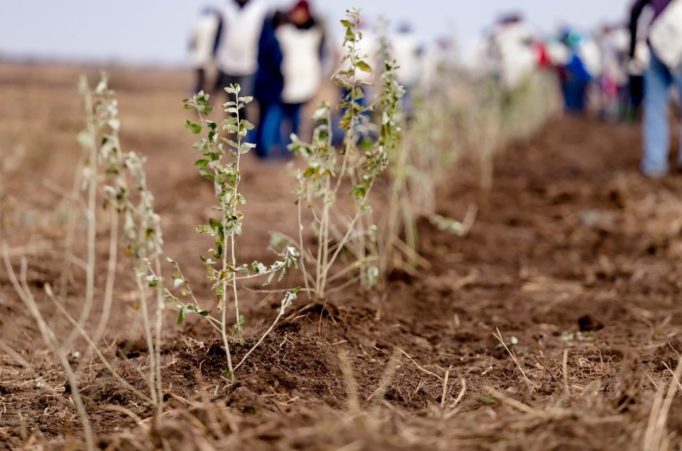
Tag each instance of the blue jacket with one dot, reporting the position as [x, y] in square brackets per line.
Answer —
[576, 69]
[269, 82]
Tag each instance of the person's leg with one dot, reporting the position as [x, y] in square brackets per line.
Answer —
[286, 127]
[220, 80]
[566, 93]
[228, 80]
[574, 93]
[261, 150]
[246, 90]
[201, 80]
[247, 84]
[295, 115]
[657, 82]
[581, 96]
[270, 126]
[293, 126]
[637, 92]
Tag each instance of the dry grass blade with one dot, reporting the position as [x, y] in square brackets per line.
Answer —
[499, 338]
[548, 414]
[445, 389]
[567, 386]
[23, 291]
[656, 437]
[94, 348]
[387, 378]
[419, 367]
[27, 366]
[453, 407]
[352, 392]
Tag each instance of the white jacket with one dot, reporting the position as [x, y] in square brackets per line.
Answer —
[506, 53]
[614, 50]
[203, 39]
[238, 49]
[591, 57]
[302, 65]
[517, 57]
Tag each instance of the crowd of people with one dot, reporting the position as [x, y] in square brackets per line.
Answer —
[276, 57]
[620, 72]
[591, 69]
[282, 57]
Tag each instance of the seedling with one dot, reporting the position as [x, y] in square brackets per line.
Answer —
[356, 167]
[221, 150]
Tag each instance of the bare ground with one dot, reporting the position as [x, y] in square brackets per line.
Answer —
[573, 261]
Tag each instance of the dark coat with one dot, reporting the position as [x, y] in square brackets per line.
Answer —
[269, 82]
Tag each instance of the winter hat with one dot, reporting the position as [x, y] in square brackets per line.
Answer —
[302, 4]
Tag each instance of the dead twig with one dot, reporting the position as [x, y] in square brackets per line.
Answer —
[498, 336]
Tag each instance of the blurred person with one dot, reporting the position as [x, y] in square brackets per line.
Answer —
[302, 40]
[582, 66]
[203, 46]
[408, 53]
[662, 71]
[638, 65]
[542, 54]
[269, 85]
[557, 53]
[237, 54]
[514, 42]
[508, 52]
[636, 79]
[613, 43]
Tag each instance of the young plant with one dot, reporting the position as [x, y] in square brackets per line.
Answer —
[429, 149]
[221, 151]
[108, 170]
[357, 167]
[142, 231]
[141, 226]
[89, 179]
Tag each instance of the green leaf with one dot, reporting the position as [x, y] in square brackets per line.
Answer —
[215, 225]
[182, 314]
[194, 128]
[364, 67]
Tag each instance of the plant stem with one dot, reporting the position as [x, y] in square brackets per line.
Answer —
[111, 275]
[151, 377]
[91, 215]
[160, 308]
[260, 341]
[301, 245]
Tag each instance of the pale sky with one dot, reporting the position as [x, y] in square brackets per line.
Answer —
[155, 31]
